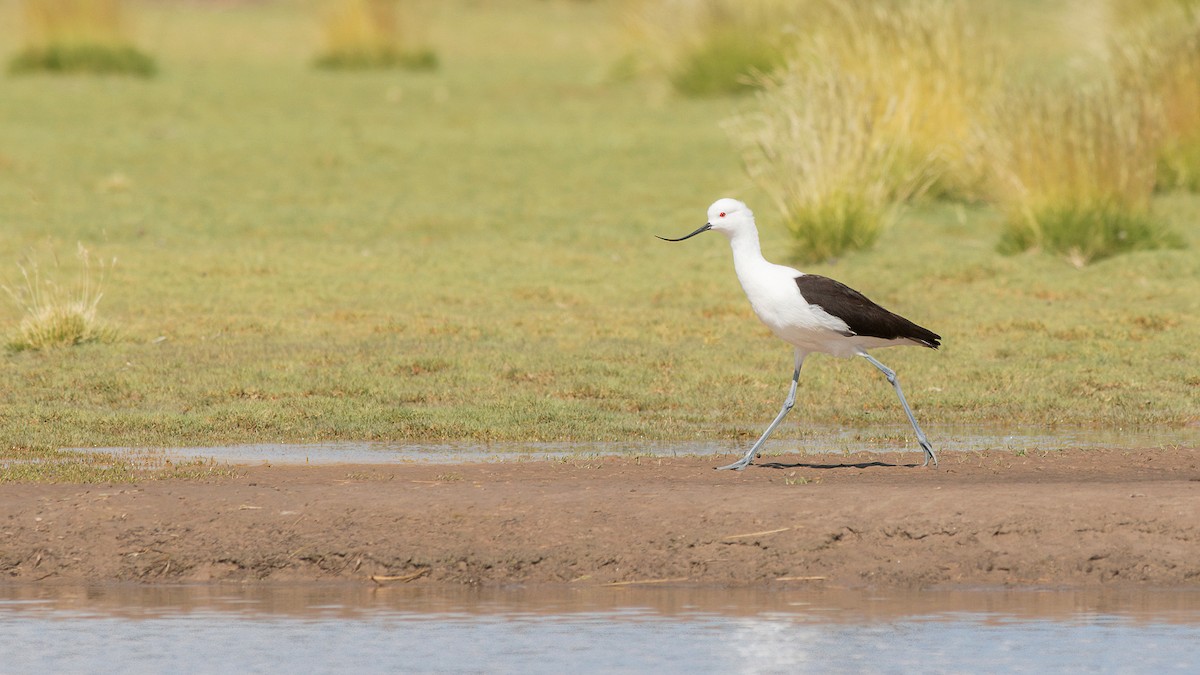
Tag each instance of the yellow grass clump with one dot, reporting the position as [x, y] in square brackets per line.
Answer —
[78, 36]
[710, 47]
[373, 34]
[58, 316]
[1074, 170]
[820, 146]
[936, 59]
[1160, 58]
[874, 108]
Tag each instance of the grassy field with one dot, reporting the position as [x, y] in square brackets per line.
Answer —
[468, 254]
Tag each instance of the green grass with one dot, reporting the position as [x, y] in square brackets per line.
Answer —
[1088, 232]
[53, 465]
[91, 59]
[469, 255]
[378, 58]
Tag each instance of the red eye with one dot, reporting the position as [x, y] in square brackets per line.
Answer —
[722, 214]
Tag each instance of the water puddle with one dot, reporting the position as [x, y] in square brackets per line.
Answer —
[315, 628]
[881, 439]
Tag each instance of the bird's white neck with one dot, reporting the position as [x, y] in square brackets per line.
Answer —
[747, 252]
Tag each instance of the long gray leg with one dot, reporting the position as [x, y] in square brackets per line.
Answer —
[891, 377]
[787, 405]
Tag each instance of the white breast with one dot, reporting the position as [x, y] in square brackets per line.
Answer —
[776, 300]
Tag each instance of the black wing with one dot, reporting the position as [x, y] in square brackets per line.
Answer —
[860, 314]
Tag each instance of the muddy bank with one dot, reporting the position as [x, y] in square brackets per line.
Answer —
[1073, 518]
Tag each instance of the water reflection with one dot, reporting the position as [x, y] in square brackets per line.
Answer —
[351, 628]
[881, 439]
[805, 605]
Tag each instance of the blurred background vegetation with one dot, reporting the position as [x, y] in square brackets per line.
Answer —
[414, 220]
[78, 36]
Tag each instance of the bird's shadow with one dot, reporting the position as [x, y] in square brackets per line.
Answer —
[847, 465]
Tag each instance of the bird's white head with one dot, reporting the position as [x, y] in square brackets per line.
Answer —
[727, 216]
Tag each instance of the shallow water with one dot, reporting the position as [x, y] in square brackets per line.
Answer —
[881, 439]
[351, 628]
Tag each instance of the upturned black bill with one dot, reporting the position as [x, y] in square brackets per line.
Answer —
[707, 227]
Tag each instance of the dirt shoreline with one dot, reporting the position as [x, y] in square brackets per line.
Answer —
[1076, 518]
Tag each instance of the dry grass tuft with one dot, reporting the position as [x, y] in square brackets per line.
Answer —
[78, 36]
[59, 316]
[1075, 170]
[820, 146]
[373, 34]
[1160, 58]
[874, 109]
[934, 58]
[710, 47]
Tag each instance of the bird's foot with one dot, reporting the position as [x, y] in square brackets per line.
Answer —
[928, 454]
[736, 466]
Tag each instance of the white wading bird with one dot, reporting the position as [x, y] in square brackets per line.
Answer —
[811, 312]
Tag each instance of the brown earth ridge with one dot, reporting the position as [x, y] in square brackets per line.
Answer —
[1063, 518]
